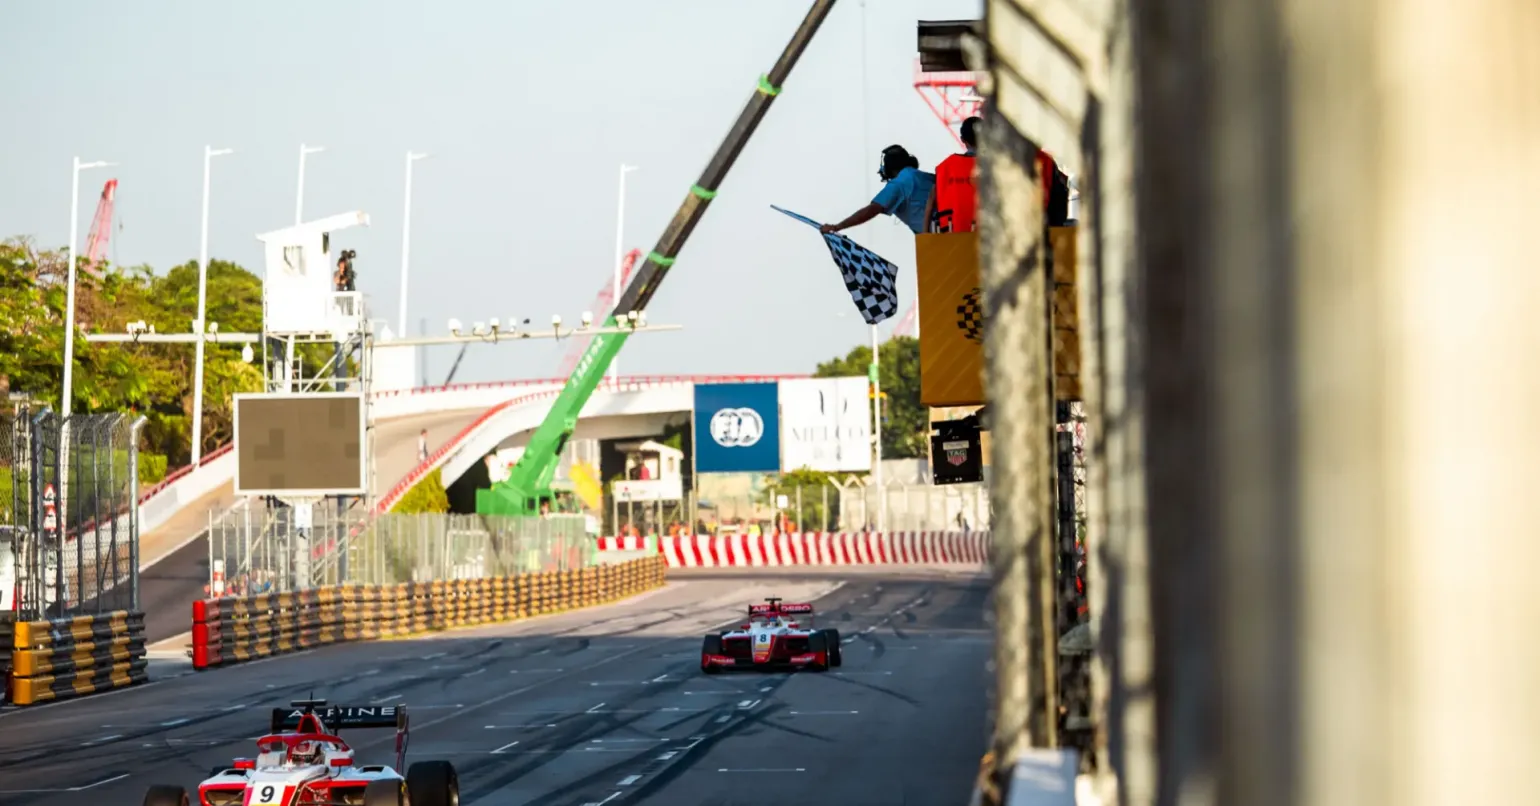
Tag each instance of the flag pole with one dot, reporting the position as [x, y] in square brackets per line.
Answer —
[874, 376]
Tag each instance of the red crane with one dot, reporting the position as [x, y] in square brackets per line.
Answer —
[602, 303]
[953, 96]
[101, 228]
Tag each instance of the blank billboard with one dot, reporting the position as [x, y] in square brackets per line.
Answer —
[300, 445]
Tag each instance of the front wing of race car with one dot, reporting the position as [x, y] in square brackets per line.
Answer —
[818, 650]
[231, 788]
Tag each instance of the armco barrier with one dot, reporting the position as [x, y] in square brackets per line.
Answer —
[237, 629]
[813, 549]
[71, 657]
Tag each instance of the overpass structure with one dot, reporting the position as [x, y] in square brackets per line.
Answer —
[463, 421]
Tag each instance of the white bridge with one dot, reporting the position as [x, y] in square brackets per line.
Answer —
[464, 423]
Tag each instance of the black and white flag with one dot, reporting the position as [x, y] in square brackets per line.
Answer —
[871, 280]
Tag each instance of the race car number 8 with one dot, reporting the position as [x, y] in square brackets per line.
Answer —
[268, 795]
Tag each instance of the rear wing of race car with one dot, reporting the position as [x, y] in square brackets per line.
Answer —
[334, 718]
[773, 606]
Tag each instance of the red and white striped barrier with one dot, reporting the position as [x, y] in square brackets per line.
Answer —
[813, 548]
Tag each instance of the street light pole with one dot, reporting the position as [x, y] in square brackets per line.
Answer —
[67, 394]
[200, 325]
[299, 193]
[620, 246]
[406, 237]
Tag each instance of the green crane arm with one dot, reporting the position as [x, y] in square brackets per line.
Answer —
[529, 481]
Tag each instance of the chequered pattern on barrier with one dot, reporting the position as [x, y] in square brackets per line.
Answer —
[812, 548]
[71, 657]
[235, 629]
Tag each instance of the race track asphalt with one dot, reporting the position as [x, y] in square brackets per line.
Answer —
[605, 706]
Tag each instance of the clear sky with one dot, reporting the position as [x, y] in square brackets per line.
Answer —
[528, 109]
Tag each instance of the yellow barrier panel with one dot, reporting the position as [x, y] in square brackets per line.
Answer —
[71, 657]
[236, 629]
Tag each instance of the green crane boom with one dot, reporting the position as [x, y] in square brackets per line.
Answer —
[529, 482]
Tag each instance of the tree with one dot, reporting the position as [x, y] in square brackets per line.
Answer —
[427, 495]
[906, 423]
[155, 380]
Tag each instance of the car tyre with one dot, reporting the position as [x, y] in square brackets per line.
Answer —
[710, 645]
[384, 793]
[162, 795]
[433, 783]
[836, 649]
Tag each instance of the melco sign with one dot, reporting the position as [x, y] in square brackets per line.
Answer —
[737, 428]
[826, 424]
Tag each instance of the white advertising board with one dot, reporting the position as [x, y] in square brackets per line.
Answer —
[825, 424]
[632, 490]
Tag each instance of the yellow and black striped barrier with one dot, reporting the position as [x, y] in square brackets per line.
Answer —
[63, 658]
[241, 628]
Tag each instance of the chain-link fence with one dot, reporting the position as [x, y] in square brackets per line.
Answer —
[810, 508]
[263, 546]
[71, 518]
[15, 504]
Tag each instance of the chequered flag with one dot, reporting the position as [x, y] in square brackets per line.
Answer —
[871, 280]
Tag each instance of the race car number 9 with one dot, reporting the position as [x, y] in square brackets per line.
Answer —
[267, 795]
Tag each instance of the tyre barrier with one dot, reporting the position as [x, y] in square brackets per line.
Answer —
[60, 659]
[812, 549]
[233, 630]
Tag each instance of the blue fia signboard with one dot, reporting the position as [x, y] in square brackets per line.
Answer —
[737, 428]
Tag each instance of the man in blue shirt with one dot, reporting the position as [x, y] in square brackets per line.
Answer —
[905, 191]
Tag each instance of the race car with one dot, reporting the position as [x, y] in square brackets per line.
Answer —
[303, 761]
[772, 639]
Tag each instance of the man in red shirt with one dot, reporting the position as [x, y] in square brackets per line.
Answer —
[954, 201]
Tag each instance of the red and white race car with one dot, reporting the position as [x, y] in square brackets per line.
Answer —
[772, 639]
[304, 762]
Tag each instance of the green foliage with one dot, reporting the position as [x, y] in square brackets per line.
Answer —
[6, 504]
[152, 468]
[906, 423]
[155, 380]
[427, 495]
[819, 504]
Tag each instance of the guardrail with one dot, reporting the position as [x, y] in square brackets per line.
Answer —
[234, 630]
[71, 657]
[812, 549]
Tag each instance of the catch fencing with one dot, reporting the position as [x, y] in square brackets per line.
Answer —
[233, 629]
[263, 547]
[69, 536]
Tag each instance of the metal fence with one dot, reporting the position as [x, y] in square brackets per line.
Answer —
[71, 518]
[805, 508]
[264, 546]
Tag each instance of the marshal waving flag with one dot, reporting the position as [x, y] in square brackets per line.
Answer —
[871, 280]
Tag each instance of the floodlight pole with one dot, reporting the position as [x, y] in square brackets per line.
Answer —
[201, 325]
[67, 395]
[620, 232]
